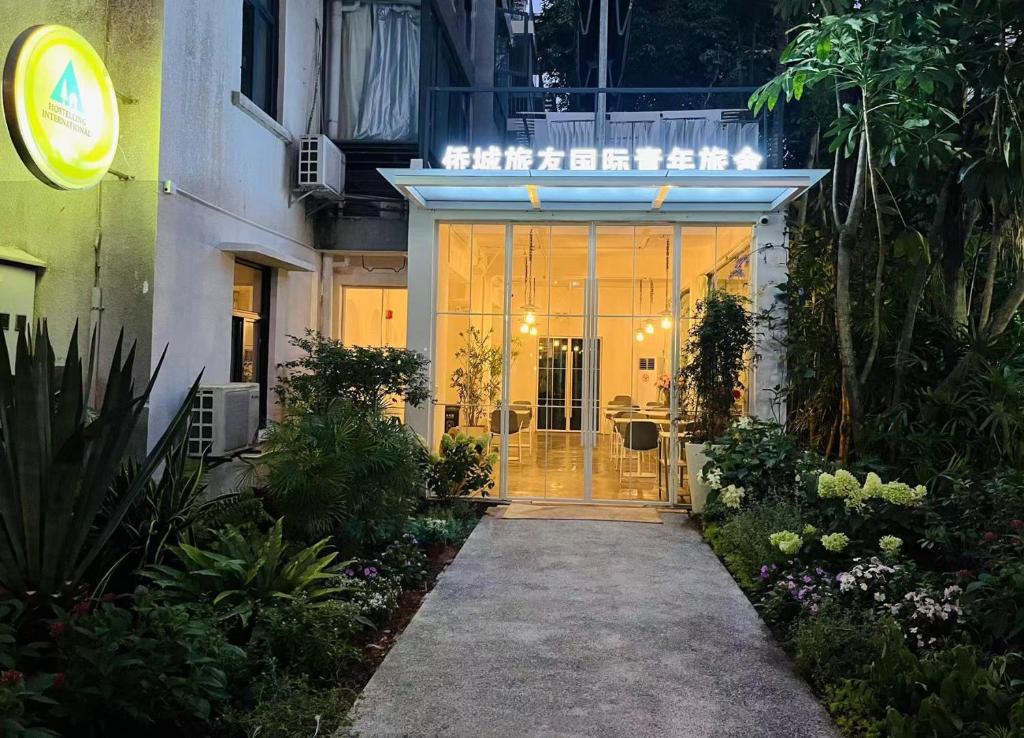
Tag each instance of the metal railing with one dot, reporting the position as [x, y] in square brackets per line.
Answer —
[509, 116]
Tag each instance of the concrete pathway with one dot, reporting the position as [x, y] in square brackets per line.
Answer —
[581, 628]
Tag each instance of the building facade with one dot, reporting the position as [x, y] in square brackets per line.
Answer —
[198, 239]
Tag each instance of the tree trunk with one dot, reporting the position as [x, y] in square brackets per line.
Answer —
[844, 307]
[876, 298]
[915, 294]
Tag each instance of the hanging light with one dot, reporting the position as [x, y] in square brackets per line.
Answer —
[533, 330]
[666, 314]
[530, 288]
[640, 336]
[649, 326]
[524, 328]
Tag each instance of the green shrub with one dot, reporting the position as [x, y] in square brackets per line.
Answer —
[365, 376]
[344, 472]
[855, 709]
[835, 644]
[288, 707]
[758, 456]
[433, 529]
[464, 466]
[944, 694]
[994, 606]
[406, 561]
[244, 572]
[742, 541]
[317, 639]
[159, 665]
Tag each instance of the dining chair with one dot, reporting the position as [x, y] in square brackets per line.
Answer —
[514, 429]
[639, 436]
[524, 409]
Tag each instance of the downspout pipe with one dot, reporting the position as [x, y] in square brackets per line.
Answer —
[334, 85]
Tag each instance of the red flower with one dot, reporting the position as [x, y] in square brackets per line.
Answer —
[963, 574]
[109, 597]
[59, 680]
[989, 536]
[10, 677]
[736, 394]
[1017, 524]
[58, 629]
[82, 608]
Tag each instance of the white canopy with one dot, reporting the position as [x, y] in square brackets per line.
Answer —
[666, 190]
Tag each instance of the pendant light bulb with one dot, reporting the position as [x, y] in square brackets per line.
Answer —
[666, 320]
[533, 330]
[530, 317]
[640, 336]
[649, 328]
[524, 328]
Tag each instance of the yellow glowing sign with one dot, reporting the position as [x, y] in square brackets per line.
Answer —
[60, 107]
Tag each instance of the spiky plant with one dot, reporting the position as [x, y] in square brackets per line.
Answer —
[58, 460]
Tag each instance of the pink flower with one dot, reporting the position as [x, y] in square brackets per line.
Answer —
[82, 608]
[989, 536]
[109, 597]
[963, 574]
[58, 629]
[59, 680]
[10, 677]
[1017, 524]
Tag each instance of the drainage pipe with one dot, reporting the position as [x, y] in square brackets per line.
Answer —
[334, 83]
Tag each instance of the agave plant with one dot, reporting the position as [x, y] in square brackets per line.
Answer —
[58, 460]
[240, 574]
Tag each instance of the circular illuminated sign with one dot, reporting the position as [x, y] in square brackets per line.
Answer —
[60, 107]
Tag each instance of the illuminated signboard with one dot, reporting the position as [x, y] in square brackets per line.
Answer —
[60, 107]
[643, 158]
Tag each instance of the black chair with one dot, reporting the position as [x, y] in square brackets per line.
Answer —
[514, 428]
[640, 436]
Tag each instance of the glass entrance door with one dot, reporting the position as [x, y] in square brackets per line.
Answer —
[593, 341]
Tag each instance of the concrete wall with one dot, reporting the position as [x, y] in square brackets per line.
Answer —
[219, 150]
[105, 235]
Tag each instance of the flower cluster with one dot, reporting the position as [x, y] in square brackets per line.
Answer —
[835, 542]
[865, 577]
[376, 596]
[921, 610]
[890, 545]
[713, 479]
[808, 588]
[732, 496]
[786, 541]
[844, 486]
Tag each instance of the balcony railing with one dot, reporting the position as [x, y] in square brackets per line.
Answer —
[563, 117]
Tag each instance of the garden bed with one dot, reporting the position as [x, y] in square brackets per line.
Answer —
[902, 606]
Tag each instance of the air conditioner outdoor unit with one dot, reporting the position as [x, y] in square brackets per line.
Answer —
[321, 167]
[225, 419]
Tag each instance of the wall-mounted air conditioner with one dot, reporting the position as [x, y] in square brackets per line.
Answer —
[320, 167]
[648, 369]
[225, 419]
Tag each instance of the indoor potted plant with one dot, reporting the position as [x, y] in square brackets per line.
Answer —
[717, 348]
[478, 380]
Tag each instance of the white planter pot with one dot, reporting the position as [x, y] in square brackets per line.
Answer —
[695, 461]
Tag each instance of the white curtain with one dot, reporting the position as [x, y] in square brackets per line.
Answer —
[390, 99]
[667, 133]
[357, 32]
[693, 133]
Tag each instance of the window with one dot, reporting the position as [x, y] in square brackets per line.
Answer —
[250, 322]
[259, 53]
[374, 316]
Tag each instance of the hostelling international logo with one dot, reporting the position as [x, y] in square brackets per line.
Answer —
[60, 106]
[65, 104]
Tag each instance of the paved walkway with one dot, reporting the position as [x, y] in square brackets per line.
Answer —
[581, 628]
